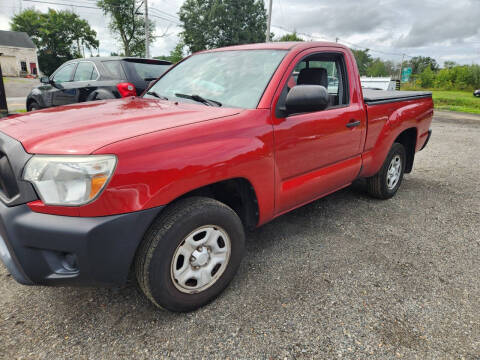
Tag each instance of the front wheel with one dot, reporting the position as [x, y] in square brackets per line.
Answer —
[386, 182]
[32, 106]
[190, 254]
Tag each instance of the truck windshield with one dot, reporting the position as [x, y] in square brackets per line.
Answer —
[235, 78]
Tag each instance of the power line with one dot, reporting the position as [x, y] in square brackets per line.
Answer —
[95, 7]
[373, 50]
[54, 3]
[162, 12]
[299, 33]
[345, 42]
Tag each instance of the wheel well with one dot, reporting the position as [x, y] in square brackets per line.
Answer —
[408, 139]
[29, 101]
[238, 194]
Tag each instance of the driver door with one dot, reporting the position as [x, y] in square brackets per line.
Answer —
[317, 152]
[64, 90]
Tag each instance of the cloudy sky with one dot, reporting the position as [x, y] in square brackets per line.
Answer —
[443, 29]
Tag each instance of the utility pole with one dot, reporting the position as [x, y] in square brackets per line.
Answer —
[269, 20]
[401, 66]
[147, 32]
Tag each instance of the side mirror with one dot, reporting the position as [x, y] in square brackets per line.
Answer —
[306, 98]
[45, 80]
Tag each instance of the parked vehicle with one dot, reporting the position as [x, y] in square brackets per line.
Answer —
[165, 184]
[95, 78]
[477, 93]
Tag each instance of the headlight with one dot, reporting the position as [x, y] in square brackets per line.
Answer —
[69, 180]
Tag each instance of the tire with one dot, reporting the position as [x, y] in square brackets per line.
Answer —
[384, 185]
[161, 273]
[32, 106]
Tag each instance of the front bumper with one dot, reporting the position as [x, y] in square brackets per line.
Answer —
[41, 249]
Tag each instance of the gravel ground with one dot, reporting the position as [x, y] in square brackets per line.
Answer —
[344, 277]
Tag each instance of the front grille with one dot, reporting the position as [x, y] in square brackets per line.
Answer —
[8, 182]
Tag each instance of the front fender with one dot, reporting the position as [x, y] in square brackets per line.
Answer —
[157, 168]
[37, 95]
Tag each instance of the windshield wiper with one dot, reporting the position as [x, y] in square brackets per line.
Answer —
[158, 96]
[200, 99]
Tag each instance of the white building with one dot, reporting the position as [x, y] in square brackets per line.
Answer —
[380, 83]
[18, 54]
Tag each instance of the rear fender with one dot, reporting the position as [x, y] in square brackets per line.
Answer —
[403, 118]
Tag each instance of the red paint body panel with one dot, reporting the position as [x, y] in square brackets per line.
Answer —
[386, 122]
[317, 146]
[83, 128]
[165, 149]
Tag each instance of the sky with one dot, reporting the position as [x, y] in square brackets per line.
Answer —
[442, 29]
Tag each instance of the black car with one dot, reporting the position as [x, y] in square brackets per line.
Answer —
[476, 93]
[95, 78]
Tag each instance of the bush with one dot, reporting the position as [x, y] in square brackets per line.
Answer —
[459, 77]
[427, 78]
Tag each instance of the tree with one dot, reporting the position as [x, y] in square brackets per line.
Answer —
[419, 63]
[127, 24]
[427, 78]
[175, 55]
[209, 24]
[449, 64]
[363, 59]
[59, 35]
[291, 37]
[379, 67]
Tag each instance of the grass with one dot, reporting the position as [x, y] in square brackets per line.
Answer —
[461, 101]
[454, 100]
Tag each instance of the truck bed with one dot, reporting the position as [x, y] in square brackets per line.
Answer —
[373, 97]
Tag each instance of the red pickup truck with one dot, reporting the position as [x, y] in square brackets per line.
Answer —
[163, 185]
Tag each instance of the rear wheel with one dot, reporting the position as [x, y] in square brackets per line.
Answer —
[386, 182]
[190, 254]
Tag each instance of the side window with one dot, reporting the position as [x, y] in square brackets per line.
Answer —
[114, 68]
[325, 69]
[332, 73]
[85, 71]
[64, 74]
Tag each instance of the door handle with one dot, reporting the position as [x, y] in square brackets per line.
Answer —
[353, 123]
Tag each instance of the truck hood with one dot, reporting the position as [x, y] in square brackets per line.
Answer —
[84, 128]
